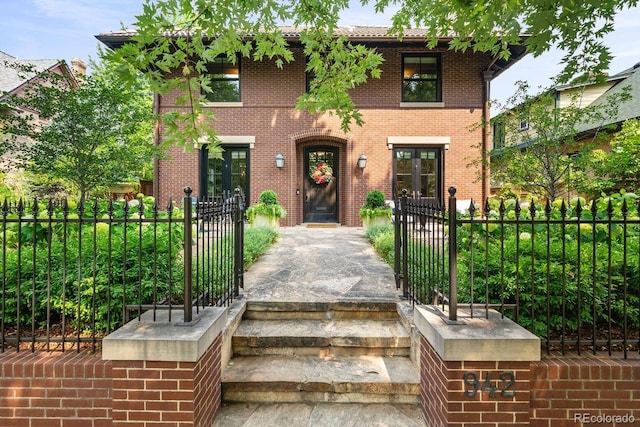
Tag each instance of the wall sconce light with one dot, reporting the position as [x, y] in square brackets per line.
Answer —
[362, 161]
[279, 161]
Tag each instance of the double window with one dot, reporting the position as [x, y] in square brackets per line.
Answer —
[223, 80]
[421, 78]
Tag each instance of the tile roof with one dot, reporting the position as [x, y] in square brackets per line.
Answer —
[114, 39]
[10, 78]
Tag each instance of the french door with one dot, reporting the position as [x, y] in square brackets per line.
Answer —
[419, 171]
[220, 176]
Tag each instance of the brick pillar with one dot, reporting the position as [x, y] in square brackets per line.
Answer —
[167, 374]
[475, 370]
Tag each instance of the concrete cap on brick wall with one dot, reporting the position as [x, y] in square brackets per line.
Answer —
[478, 338]
[163, 340]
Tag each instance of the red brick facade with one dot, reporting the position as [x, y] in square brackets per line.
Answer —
[269, 94]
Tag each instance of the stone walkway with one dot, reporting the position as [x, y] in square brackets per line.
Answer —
[321, 264]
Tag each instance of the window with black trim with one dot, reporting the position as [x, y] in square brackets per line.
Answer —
[421, 78]
[223, 80]
[523, 125]
[498, 135]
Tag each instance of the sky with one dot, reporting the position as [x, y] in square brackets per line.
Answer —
[64, 29]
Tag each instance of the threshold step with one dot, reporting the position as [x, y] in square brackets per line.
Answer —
[318, 415]
[362, 379]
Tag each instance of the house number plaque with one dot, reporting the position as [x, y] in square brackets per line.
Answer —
[473, 384]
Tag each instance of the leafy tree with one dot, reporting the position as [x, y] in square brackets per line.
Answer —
[576, 28]
[619, 168]
[96, 132]
[539, 151]
[176, 39]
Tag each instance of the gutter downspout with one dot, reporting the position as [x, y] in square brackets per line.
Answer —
[486, 116]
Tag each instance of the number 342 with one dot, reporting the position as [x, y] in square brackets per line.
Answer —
[473, 385]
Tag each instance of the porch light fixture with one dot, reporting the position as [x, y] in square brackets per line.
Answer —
[279, 161]
[362, 161]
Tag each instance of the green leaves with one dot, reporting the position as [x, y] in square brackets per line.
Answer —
[97, 132]
[176, 39]
[490, 26]
[546, 156]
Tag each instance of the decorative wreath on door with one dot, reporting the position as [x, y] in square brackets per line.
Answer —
[321, 173]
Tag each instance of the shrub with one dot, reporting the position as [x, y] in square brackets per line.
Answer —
[256, 242]
[87, 268]
[269, 197]
[375, 205]
[267, 206]
[375, 199]
[543, 267]
[383, 240]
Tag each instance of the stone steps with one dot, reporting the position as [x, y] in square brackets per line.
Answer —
[318, 415]
[269, 310]
[306, 337]
[292, 359]
[363, 379]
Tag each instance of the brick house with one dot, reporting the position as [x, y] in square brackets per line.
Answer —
[416, 134]
[17, 76]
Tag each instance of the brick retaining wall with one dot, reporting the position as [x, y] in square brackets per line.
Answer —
[444, 402]
[55, 389]
[553, 392]
[570, 389]
[81, 390]
[148, 393]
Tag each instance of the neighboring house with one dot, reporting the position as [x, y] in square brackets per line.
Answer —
[593, 94]
[417, 134]
[614, 84]
[14, 81]
[590, 94]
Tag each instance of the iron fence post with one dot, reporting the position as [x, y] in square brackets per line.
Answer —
[405, 252]
[453, 256]
[238, 262]
[397, 221]
[188, 297]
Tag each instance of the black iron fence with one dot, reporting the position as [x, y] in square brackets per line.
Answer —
[72, 273]
[568, 271]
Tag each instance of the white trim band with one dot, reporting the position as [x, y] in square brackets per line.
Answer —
[419, 140]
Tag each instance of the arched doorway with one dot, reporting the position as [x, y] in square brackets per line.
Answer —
[320, 176]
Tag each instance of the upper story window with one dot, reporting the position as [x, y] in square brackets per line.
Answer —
[523, 125]
[224, 81]
[498, 135]
[421, 78]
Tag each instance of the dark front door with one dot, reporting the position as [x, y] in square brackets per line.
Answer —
[320, 184]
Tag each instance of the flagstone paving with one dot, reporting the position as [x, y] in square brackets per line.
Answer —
[321, 342]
